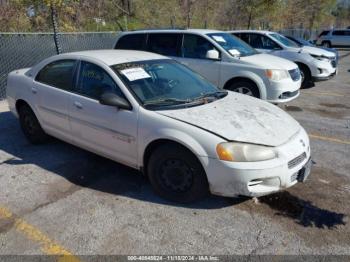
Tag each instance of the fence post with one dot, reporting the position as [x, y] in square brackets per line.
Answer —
[55, 29]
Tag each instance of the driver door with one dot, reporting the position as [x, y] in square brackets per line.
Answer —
[102, 129]
[264, 44]
[194, 51]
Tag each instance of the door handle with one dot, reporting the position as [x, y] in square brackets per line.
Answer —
[34, 90]
[78, 105]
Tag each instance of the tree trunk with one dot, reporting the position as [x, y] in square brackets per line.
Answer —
[55, 28]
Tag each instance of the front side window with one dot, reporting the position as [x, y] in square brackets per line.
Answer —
[58, 74]
[132, 42]
[324, 33]
[195, 46]
[94, 81]
[232, 44]
[163, 82]
[164, 44]
[283, 40]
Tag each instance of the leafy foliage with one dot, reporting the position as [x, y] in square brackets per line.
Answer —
[115, 15]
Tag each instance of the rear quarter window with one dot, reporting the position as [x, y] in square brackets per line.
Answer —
[132, 42]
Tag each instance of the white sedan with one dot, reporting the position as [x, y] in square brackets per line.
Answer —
[156, 115]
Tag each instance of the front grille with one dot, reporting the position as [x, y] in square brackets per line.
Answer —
[295, 74]
[296, 161]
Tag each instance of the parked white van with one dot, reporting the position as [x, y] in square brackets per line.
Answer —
[315, 64]
[223, 59]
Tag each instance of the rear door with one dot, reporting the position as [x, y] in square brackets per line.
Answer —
[52, 86]
[105, 130]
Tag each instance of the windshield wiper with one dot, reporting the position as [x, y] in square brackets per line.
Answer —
[166, 101]
[216, 94]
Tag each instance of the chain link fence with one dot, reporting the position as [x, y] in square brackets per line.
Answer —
[20, 50]
[302, 33]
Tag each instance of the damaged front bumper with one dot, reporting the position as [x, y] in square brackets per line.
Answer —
[254, 179]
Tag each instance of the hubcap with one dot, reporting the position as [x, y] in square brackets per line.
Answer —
[244, 90]
[176, 175]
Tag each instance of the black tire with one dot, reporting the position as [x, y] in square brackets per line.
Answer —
[31, 126]
[245, 85]
[305, 76]
[326, 44]
[176, 174]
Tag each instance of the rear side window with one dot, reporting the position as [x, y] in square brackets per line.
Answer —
[58, 74]
[132, 42]
[339, 32]
[244, 37]
[165, 44]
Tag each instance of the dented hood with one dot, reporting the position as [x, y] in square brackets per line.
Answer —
[241, 118]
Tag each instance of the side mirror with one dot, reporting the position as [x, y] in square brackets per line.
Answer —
[212, 54]
[111, 99]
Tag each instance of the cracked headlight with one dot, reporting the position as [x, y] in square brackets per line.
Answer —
[277, 74]
[241, 152]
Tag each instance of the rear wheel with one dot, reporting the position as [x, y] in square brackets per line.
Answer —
[31, 126]
[176, 174]
[245, 87]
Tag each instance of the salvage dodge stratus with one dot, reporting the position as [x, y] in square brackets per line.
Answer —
[154, 114]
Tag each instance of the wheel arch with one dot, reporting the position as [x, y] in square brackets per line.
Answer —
[153, 145]
[21, 102]
[229, 82]
[304, 65]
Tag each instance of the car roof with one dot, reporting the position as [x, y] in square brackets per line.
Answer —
[112, 57]
[265, 32]
[190, 30]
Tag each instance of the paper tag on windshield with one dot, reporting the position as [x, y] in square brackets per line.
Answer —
[136, 73]
[219, 38]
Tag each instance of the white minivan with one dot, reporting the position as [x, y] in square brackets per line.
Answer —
[315, 64]
[223, 59]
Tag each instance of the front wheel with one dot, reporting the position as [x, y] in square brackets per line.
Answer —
[245, 87]
[326, 44]
[31, 126]
[305, 75]
[176, 174]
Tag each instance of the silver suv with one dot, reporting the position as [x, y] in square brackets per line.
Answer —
[336, 37]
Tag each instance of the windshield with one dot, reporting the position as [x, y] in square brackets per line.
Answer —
[164, 83]
[284, 40]
[299, 41]
[233, 44]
